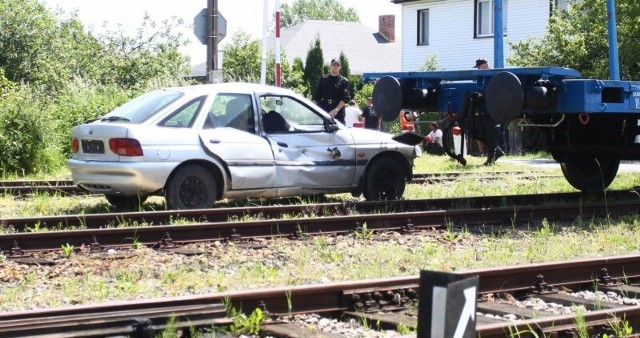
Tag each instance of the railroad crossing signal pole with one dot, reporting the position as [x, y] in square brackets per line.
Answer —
[212, 41]
[210, 27]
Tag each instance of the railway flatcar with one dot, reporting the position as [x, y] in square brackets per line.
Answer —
[591, 124]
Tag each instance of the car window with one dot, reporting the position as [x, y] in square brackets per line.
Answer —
[291, 115]
[184, 116]
[142, 107]
[233, 111]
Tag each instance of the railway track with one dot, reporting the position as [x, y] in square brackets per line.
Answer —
[504, 305]
[66, 187]
[21, 244]
[167, 217]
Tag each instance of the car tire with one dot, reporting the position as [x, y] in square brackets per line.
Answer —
[384, 181]
[191, 187]
[122, 202]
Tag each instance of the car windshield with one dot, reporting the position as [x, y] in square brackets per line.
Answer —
[142, 107]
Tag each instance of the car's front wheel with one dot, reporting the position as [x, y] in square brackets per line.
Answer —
[384, 181]
[191, 187]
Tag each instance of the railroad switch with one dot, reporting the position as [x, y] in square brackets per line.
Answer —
[604, 279]
[541, 287]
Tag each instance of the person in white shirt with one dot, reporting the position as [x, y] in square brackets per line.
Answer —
[433, 141]
[352, 114]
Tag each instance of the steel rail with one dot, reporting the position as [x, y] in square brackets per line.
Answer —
[22, 224]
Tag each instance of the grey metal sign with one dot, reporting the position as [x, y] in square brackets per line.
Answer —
[200, 25]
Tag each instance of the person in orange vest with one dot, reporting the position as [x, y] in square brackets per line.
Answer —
[406, 122]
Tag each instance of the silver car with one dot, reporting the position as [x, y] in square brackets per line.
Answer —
[198, 144]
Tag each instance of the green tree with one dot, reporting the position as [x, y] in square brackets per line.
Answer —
[430, 63]
[295, 81]
[243, 61]
[302, 10]
[39, 47]
[577, 38]
[152, 52]
[314, 66]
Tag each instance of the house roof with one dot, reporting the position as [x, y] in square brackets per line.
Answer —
[365, 48]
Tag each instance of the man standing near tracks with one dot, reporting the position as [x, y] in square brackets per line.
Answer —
[332, 93]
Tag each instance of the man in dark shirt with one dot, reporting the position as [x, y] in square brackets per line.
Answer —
[370, 117]
[332, 93]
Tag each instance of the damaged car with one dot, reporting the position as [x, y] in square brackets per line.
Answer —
[198, 144]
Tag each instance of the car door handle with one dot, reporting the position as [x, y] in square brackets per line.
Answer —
[283, 145]
[214, 140]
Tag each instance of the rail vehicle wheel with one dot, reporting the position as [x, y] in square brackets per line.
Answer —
[588, 172]
[191, 187]
[126, 202]
[384, 181]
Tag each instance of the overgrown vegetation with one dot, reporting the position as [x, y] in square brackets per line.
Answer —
[55, 74]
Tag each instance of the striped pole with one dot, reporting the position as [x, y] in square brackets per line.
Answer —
[265, 30]
[278, 70]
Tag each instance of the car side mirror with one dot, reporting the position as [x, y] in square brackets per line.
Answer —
[330, 125]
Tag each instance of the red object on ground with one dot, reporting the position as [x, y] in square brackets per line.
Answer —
[358, 125]
[456, 131]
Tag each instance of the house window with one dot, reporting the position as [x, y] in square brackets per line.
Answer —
[423, 27]
[484, 17]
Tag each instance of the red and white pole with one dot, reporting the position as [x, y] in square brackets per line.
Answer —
[278, 70]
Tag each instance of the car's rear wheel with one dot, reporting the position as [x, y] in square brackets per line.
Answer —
[384, 181]
[126, 202]
[191, 187]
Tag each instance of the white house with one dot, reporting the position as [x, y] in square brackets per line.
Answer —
[458, 32]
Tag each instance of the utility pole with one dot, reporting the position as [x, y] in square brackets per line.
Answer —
[213, 67]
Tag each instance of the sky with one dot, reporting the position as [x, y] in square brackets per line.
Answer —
[243, 15]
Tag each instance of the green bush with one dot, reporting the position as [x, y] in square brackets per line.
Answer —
[23, 147]
[77, 103]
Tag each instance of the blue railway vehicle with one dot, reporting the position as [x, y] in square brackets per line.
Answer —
[591, 125]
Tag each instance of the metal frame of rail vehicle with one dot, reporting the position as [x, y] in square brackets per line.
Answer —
[591, 125]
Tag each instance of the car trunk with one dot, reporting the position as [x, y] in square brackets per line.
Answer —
[94, 141]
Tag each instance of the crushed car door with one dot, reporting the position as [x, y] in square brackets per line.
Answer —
[229, 134]
[307, 154]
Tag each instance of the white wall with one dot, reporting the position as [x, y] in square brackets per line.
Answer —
[451, 36]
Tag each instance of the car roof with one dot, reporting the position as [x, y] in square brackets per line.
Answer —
[232, 87]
